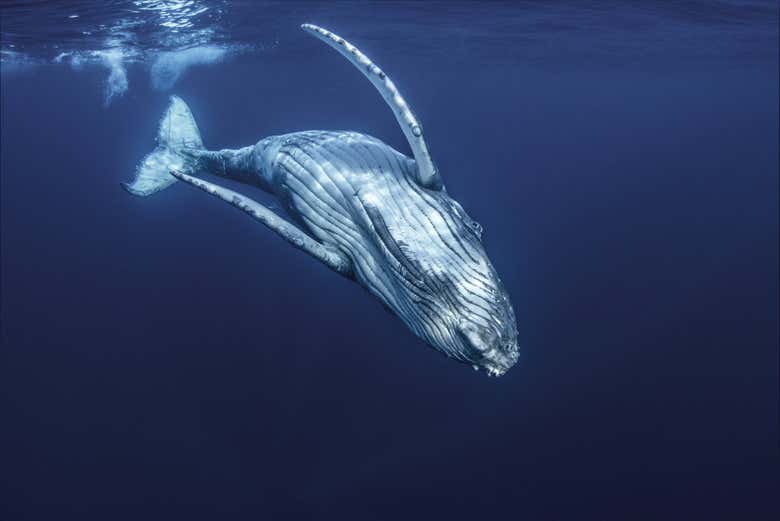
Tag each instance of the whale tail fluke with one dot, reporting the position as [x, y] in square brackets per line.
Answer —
[177, 140]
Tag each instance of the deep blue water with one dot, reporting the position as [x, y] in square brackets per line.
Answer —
[167, 357]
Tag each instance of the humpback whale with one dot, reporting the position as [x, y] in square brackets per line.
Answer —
[367, 211]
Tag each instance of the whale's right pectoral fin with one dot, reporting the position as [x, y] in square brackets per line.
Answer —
[289, 232]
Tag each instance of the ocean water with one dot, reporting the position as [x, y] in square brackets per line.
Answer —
[169, 358]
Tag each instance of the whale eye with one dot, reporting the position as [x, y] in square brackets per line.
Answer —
[472, 225]
[475, 227]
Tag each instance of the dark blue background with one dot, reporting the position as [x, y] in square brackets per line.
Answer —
[167, 357]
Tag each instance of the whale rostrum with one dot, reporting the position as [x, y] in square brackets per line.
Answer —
[366, 211]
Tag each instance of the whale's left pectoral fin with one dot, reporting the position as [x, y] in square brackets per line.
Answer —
[289, 232]
[426, 172]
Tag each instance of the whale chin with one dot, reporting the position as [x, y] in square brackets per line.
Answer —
[496, 370]
[497, 363]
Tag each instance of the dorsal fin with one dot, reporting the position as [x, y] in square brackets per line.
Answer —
[427, 173]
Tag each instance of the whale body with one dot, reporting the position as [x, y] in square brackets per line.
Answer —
[365, 210]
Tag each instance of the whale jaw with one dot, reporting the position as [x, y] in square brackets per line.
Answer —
[497, 364]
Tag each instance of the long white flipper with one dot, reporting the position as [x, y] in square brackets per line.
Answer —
[427, 173]
[289, 232]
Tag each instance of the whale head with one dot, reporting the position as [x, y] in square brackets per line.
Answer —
[430, 268]
[473, 303]
[444, 286]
